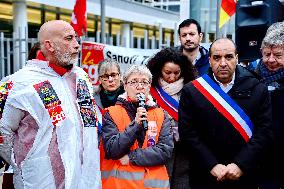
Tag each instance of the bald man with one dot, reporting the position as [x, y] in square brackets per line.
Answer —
[225, 120]
[49, 122]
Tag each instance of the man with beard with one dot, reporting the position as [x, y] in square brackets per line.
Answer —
[190, 37]
[225, 122]
[49, 123]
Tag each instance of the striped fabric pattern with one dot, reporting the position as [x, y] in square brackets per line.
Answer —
[225, 105]
[228, 9]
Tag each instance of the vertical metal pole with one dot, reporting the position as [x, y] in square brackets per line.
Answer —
[27, 45]
[217, 19]
[2, 73]
[8, 57]
[98, 38]
[20, 49]
[176, 37]
[131, 39]
[160, 35]
[103, 21]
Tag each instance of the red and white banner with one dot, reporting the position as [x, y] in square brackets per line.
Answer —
[79, 19]
[94, 53]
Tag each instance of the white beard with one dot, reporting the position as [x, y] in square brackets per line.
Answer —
[65, 59]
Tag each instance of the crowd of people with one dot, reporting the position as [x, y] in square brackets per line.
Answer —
[191, 118]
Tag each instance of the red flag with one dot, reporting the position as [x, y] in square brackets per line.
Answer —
[79, 20]
[228, 8]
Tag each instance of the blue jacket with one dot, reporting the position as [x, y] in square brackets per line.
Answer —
[202, 65]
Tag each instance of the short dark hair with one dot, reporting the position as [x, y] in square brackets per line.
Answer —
[188, 22]
[157, 62]
[221, 39]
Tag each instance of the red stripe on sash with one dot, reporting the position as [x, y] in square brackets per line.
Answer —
[221, 109]
[162, 104]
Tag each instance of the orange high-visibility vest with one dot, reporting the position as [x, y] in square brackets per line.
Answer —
[118, 176]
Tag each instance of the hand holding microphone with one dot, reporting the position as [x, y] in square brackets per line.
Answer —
[141, 114]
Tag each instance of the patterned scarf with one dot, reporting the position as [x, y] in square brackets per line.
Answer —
[269, 77]
[173, 89]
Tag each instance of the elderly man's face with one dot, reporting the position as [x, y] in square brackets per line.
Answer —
[223, 60]
[273, 58]
[66, 47]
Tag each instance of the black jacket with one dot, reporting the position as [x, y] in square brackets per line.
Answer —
[211, 138]
[274, 162]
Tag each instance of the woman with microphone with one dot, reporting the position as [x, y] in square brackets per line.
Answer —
[135, 155]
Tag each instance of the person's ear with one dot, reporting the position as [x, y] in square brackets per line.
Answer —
[49, 45]
[99, 81]
[200, 37]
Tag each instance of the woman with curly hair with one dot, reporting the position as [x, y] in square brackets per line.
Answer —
[171, 70]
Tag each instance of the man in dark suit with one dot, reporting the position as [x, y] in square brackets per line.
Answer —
[225, 120]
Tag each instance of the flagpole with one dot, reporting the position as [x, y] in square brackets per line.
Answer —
[103, 22]
[217, 19]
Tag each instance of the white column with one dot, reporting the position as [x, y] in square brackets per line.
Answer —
[160, 36]
[20, 27]
[176, 36]
[184, 10]
[125, 35]
[153, 42]
[138, 43]
[146, 36]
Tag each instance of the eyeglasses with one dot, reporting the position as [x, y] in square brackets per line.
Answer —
[134, 83]
[105, 77]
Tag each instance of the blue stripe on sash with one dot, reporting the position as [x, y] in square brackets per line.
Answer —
[230, 101]
[168, 99]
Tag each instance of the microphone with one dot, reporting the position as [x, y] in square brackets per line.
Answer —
[141, 98]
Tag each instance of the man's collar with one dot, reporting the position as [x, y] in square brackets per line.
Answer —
[59, 70]
[231, 83]
[197, 58]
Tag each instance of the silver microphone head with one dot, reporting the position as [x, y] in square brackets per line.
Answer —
[141, 97]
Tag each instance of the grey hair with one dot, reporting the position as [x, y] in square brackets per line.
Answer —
[137, 69]
[274, 35]
[275, 26]
[106, 65]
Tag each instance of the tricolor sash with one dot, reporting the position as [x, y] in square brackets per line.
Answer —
[165, 101]
[225, 105]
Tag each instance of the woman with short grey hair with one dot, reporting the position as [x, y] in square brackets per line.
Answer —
[110, 83]
[138, 70]
[137, 139]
